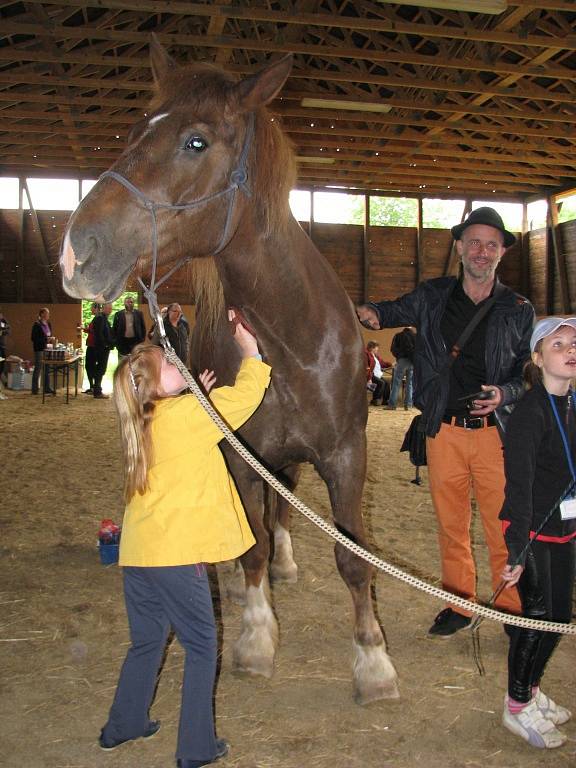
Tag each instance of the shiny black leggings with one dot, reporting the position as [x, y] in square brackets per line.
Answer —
[545, 589]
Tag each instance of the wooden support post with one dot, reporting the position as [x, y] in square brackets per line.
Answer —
[452, 258]
[44, 250]
[418, 262]
[558, 255]
[20, 248]
[366, 251]
[311, 220]
[525, 252]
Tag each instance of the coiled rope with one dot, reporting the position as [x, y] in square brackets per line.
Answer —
[391, 570]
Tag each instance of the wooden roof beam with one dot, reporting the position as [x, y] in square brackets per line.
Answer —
[394, 25]
[442, 61]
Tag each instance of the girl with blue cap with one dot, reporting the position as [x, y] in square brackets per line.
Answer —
[539, 519]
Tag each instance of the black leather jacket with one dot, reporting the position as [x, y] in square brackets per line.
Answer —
[510, 323]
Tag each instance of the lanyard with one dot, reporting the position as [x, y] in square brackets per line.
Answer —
[563, 432]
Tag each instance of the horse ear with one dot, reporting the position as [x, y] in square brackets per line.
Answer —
[261, 88]
[160, 60]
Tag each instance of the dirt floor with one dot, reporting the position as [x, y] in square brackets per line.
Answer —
[63, 630]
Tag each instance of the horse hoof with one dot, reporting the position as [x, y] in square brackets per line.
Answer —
[262, 666]
[287, 573]
[376, 692]
[374, 675]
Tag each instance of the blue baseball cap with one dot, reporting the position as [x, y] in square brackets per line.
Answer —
[547, 326]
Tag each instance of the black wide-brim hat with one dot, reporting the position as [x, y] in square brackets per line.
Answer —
[487, 216]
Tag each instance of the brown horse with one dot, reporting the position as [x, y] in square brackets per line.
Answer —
[186, 161]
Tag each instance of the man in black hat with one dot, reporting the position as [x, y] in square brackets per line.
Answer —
[463, 443]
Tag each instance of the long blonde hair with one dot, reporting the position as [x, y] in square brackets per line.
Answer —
[136, 385]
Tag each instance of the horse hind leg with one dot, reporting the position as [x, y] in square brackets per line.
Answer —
[282, 566]
[255, 649]
[374, 676]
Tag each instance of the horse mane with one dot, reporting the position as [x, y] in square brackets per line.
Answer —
[271, 165]
[202, 276]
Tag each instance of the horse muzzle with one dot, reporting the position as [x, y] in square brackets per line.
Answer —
[86, 268]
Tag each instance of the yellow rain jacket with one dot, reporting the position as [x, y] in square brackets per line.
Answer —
[191, 512]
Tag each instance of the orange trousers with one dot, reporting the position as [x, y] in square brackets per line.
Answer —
[462, 461]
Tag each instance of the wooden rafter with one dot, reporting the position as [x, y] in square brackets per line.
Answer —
[478, 103]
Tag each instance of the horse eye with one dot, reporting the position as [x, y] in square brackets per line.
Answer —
[196, 143]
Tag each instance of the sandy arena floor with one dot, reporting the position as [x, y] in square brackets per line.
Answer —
[63, 630]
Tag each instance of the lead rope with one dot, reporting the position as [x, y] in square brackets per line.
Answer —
[391, 570]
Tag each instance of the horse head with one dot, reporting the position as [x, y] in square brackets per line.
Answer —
[189, 175]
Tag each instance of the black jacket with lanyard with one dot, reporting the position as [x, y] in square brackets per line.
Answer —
[538, 469]
[510, 323]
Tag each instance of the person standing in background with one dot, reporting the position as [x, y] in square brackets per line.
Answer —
[41, 336]
[103, 343]
[90, 357]
[176, 331]
[128, 328]
[4, 332]
[403, 345]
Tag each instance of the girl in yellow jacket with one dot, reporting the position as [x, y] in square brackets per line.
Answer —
[182, 511]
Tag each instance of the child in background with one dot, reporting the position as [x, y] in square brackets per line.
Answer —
[182, 511]
[539, 454]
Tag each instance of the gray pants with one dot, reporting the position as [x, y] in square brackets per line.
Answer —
[37, 374]
[156, 600]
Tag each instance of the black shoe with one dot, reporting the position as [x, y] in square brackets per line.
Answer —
[448, 622]
[102, 397]
[109, 744]
[222, 748]
[89, 391]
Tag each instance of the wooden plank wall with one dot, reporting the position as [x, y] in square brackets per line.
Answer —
[392, 256]
[567, 247]
[537, 270]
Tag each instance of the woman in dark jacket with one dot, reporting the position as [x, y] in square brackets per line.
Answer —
[176, 331]
[41, 336]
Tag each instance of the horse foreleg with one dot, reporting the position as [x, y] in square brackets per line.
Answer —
[282, 566]
[374, 676]
[255, 649]
[236, 585]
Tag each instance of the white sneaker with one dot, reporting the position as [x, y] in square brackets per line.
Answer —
[552, 711]
[531, 725]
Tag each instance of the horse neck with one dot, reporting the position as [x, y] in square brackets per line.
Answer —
[260, 274]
